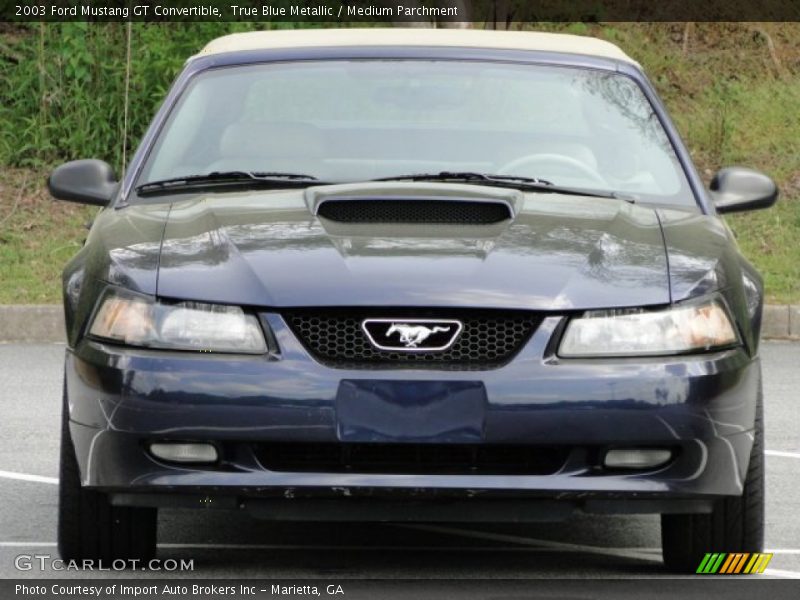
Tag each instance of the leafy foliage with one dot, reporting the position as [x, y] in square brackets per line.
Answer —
[64, 89]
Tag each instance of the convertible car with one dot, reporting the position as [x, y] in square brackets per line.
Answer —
[412, 275]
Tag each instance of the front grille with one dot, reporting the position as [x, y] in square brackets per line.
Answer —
[411, 459]
[414, 211]
[488, 338]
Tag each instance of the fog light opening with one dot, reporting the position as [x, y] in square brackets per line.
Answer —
[184, 452]
[637, 458]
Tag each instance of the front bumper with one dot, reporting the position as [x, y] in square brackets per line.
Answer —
[703, 406]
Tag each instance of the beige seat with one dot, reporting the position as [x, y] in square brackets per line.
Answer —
[271, 146]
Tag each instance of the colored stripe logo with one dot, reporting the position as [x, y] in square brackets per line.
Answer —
[734, 563]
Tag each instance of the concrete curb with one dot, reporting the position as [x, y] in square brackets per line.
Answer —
[32, 323]
[45, 322]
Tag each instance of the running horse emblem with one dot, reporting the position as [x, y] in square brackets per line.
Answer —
[413, 335]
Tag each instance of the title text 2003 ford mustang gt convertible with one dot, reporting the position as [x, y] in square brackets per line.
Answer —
[412, 275]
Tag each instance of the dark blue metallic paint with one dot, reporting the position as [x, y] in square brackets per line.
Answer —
[559, 253]
[700, 404]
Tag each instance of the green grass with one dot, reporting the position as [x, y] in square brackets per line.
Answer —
[736, 103]
[766, 135]
[734, 100]
[37, 238]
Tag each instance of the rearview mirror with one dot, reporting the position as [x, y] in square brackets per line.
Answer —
[737, 189]
[89, 181]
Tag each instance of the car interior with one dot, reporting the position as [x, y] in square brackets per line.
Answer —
[402, 127]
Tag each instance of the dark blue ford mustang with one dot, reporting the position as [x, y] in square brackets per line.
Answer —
[420, 276]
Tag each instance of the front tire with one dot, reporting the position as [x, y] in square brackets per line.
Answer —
[89, 527]
[736, 524]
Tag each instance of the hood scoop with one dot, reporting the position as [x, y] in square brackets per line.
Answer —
[414, 210]
[264, 248]
[414, 203]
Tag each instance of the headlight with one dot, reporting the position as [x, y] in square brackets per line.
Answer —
[635, 333]
[141, 321]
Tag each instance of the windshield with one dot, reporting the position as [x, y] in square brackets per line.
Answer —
[345, 121]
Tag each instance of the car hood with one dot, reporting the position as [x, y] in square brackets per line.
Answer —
[557, 252]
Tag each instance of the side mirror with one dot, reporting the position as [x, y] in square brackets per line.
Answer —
[89, 181]
[737, 189]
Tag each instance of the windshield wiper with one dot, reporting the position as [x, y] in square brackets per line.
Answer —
[226, 178]
[512, 181]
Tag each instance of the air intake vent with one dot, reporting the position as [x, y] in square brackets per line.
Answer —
[411, 459]
[336, 338]
[381, 210]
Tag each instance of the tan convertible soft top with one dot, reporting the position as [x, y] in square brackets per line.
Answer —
[460, 38]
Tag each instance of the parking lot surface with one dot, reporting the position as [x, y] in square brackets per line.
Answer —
[231, 544]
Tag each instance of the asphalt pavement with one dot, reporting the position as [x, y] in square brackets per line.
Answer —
[234, 545]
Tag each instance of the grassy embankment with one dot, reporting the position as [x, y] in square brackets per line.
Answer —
[733, 89]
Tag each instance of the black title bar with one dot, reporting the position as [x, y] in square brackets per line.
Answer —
[501, 12]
